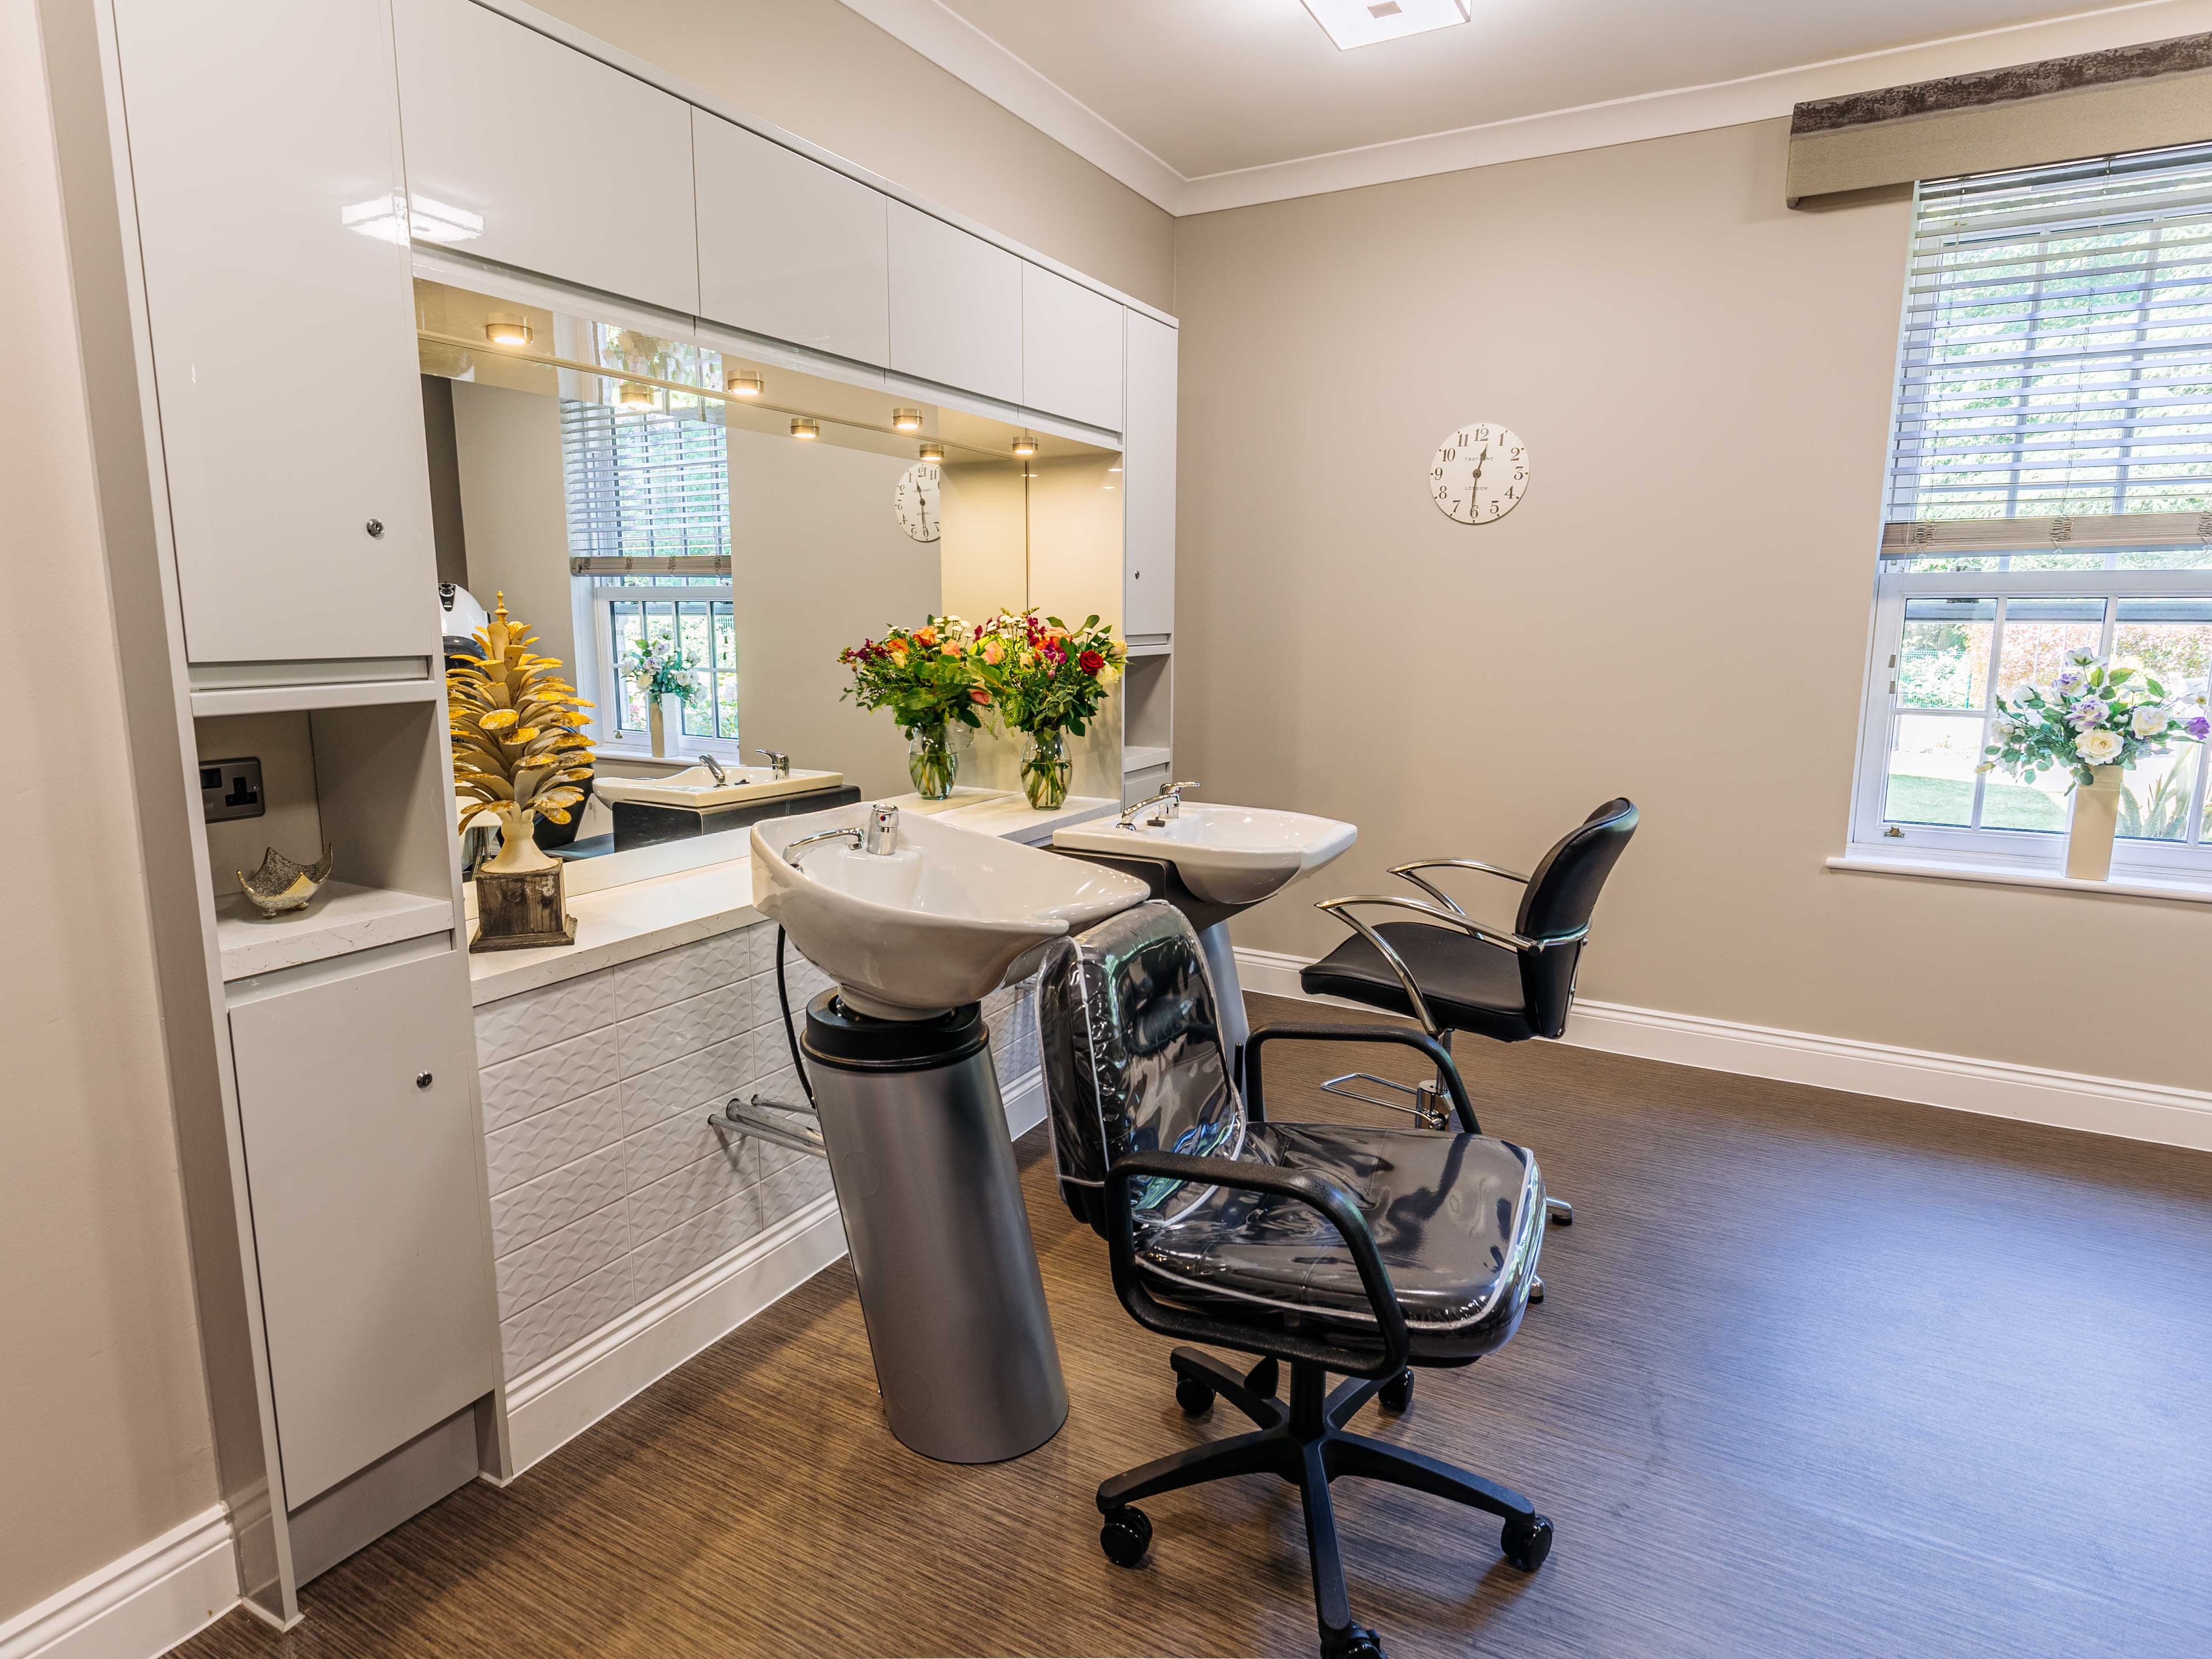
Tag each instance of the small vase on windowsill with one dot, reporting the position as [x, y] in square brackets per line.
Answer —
[666, 715]
[2096, 820]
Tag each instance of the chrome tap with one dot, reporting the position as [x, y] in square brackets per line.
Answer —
[879, 836]
[714, 769]
[779, 764]
[1169, 800]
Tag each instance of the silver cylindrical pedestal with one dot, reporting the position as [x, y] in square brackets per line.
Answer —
[932, 1202]
[1228, 990]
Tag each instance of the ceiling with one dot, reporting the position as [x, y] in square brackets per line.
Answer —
[1209, 103]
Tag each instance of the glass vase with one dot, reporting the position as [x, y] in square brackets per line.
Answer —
[932, 761]
[1046, 768]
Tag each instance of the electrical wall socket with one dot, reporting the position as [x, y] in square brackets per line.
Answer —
[231, 789]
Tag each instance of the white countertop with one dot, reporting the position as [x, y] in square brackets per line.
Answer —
[621, 924]
[340, 919]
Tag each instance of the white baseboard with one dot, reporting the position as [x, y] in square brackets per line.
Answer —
[1994, 1088]
[144, 1603]
[552, 1403]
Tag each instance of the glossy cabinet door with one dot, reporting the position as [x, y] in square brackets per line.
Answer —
[368, 1221]
[283, 336]
[956, 306]
[1071, 350]
[1148, 460]
[788, 248]
[523, 150]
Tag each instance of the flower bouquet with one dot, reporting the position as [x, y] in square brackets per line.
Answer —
[924, 676]
[656, 669]
[2094, 720]
[1045, 679]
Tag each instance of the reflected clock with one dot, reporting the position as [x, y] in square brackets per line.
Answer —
[1480, 473]
[915, 501]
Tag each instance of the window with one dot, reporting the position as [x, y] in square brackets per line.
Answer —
[648, 494]
[2050, 489]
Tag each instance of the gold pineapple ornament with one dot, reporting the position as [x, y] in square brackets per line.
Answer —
[518, 751]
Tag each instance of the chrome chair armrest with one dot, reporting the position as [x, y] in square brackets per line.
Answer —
[1447, 1077]
[1406, 871]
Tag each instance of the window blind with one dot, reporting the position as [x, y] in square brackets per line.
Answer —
[2055, 381]
[646, 491]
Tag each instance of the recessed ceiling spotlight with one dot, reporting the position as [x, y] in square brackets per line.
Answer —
[744, 383]
[933, 452]
[1363, 22]
[633, 398]
[802, 427]
[1025, 445]
[504, 328]
[906, 420]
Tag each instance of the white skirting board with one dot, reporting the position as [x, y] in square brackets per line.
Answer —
[1996, 1088]
[552, 1403]
[143, 1604]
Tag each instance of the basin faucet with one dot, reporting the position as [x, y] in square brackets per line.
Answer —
[779, 764]
[880, 836]
[1169, 800]
[714, 767]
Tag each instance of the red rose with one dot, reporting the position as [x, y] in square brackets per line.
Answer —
[1090, 662]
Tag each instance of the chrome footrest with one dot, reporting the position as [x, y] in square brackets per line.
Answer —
[769, 1120]
[1424, 1103]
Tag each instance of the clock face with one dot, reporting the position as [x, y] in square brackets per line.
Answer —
[1480, 474]
[916, 499]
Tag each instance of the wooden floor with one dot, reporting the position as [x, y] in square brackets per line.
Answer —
[1818, 1375]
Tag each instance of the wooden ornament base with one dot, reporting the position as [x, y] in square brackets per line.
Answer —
[522, 911]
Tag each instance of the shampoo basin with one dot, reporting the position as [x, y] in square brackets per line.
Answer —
[1230, 855]
[694, 787]
[935, 924]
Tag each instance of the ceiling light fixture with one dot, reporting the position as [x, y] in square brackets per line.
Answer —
[802, 427]
[744, 383]
[504, 328]
[1363, 22]
[933, 452]
[1025, 445]
[906, 420]
[633, 398]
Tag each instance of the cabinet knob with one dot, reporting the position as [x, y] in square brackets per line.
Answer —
[421, 1079]
[375, 528]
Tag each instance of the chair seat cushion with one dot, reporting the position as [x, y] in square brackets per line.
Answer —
[1468, 985]
[1458, 1219]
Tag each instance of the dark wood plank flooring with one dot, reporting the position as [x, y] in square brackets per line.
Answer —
[1818, 1375]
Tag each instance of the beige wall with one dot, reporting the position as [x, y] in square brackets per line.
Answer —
[1677, 612]
[103, 1440]
[823, 71]
[515, 510]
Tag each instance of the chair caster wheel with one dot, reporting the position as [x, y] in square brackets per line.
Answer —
[1397, 1393]
[1197, 1399]
[1126, 1536]
[1535, 1290]
[1357, 1642]
[1526, 1542]
[1558, 1213]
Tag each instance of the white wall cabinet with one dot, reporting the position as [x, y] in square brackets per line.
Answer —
[788, 248]
[359, 1126]
[526, 151]
[1071, 350]
[1148, 501]
[289, 417]
[956, 306]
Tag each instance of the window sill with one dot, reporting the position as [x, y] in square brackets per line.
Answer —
[2175, 892]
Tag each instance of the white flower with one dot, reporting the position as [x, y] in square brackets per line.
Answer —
[2099, 747]
[2149, 721]
[2082, 658]
[2004, 729]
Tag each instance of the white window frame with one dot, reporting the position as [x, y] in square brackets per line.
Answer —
[607, 693]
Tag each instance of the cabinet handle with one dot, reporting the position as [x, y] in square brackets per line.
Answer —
[375, 528]
[421, 1079]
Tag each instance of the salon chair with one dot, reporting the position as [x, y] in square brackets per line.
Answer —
[1332, 1250]
[1452, 974]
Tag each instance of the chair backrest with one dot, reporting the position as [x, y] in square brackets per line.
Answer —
[1133, 1054]
[1560, 897]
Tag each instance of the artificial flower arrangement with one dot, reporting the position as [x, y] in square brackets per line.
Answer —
[1045, 680]
[926, 677]
[656, 669]
[519, 744]
[2099, 712]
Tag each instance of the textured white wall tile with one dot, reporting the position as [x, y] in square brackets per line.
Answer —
[675, 1198]
[760, 939]
[538, 1146]
[706, 1238]
[560, 1259]
[704, 1080]
[792, 1188]
[525, 1213]
[540, 1019]
[537, 1333]
[688, 970]
[681, 1028]
[546, 1078]
[659, 1151]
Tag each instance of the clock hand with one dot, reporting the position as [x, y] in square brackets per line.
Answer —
[1477, 478]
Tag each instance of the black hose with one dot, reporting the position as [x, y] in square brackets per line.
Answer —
[790, 1034]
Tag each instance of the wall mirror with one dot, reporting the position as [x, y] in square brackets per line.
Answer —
[620, 483]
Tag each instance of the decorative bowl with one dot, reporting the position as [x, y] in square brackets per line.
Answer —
[280, 884]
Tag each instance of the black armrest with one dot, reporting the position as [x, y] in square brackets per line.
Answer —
[1254, 1100]
[1308, 1187]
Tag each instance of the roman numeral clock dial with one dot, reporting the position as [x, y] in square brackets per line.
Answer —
[1480, 474]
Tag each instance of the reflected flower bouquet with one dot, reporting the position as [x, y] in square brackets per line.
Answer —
[1043, 676]
[2097, 712]
[655, 669]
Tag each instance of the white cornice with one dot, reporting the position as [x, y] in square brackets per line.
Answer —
[959, 47]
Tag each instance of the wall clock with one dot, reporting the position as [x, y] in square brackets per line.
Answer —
[1480, 474]
[915, 501]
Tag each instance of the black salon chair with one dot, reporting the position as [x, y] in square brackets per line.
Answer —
[1352, 1251]
[1452, 974]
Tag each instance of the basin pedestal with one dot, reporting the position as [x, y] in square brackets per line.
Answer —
[931, 1203]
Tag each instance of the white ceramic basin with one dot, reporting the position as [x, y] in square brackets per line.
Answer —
[935, 925]
[1230, 854]
[694, 787]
